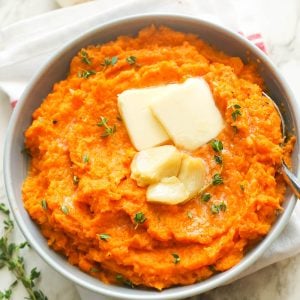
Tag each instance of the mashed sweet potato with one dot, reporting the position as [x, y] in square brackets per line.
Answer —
[79, 188]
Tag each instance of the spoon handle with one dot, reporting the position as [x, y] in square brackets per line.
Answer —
[291, 180]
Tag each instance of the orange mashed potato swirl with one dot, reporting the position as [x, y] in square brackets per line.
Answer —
[79, 189]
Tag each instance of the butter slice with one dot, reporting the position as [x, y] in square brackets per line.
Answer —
[175, 190]
[151, 165]
[143, 129]
[169, 191]
[189, 114]
[192, 174]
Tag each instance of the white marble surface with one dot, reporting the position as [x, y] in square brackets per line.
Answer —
[279, 21]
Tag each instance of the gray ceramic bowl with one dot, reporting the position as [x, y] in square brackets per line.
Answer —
[15, 164]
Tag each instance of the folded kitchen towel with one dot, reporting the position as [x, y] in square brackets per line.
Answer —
[26, 45]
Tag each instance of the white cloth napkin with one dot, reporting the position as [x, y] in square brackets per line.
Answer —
[26, 45]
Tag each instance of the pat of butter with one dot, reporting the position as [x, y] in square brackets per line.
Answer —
[173, 176]
[175, 190]
[169, 191]
[143, 129]
[151, 165]
[189, 114]
[192, 174]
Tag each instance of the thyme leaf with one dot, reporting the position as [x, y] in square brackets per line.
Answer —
[218, 159]
[189, 214]
[85, 158]
[103, 122]
[124, 281]
[217, 179]
[109, 61]
[236, 111]
[217, 145]
[64, 209]
[235, 129]
[75, 180]
[235, 114]
[85, 73]
[235, 106]
[131, 60]
[44, 204]
[109, 131]
[212, 268]
[216, 208]
[139, 218]
[206, 197]
[94, 270]
[176, 258]
[104, 236]
[114, 60]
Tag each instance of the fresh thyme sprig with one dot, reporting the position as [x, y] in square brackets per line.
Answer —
[109, 61]
[236, 112]
[109, 130]
[217, 179]
[85, 57]
[10, 257]
[86, 73]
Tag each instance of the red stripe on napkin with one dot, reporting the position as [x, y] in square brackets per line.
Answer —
[254, 36]
[261, 46]
[13, 103]
[256, 39]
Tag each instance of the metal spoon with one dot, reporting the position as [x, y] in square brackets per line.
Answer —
[292, 181]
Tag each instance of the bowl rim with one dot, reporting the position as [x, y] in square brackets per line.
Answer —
[173, 292]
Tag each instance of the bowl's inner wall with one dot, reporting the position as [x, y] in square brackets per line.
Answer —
[57, 70]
